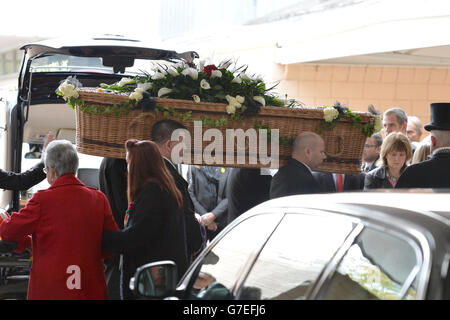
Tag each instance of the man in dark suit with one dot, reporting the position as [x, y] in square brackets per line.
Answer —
[25, 180]
[208, 190]
[161, 135]
[331, 182]
[433, 173]
[113, 183]
[246, 188]
[308, 153]
[371, 152]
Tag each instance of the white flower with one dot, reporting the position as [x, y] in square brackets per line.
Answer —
[216, 74]
[158, 75]
[196, 98]
[173, 72]
[260, 100]
[231, 109]
[237, 79]
[378, 124]
[137, 94]
[205, 84]
[145, 86]
[191, 72]
[125, 81]
[164, 91]
[233, 102]
[240, 99]
[330, 113]
[68, 90]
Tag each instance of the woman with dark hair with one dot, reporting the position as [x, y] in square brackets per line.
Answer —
[396, 152]
[154, 229]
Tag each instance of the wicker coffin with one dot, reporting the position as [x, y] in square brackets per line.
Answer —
[105, 135]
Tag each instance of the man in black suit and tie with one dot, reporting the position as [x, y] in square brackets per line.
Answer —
[308, 153]
[433, 173]
[371, 152]
[161, 135]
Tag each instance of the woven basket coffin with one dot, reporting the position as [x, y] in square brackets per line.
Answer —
[105, 135]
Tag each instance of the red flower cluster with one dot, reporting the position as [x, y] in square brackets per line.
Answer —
[207, 69]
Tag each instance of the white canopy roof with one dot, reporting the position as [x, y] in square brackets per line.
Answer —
[399, 32]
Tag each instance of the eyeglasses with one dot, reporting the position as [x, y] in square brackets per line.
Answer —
[370, 145]
[45, 170]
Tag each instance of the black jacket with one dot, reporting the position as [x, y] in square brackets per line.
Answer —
[293, 178]
[209, 197]
[376, 179]
[154, 231]
[246, 188]
[194, 237]
[22, 181]
[352, 182]
[113, 183]
[433, 173]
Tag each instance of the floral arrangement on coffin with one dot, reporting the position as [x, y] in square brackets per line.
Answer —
[332, 115]
[244, 94]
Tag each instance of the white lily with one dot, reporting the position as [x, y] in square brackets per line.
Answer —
[125, 81]
[164, 91]
[260, 99]
[196, 98]
[173, 72]
[158, 75]
[237, 79]
[216, 74]
[191, 72]
[205, 84]
[145, 86]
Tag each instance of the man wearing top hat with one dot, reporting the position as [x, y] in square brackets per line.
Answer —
[433, 173]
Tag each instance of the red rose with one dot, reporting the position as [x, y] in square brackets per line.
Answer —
[207, 69]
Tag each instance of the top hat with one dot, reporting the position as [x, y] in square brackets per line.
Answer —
[440, 116]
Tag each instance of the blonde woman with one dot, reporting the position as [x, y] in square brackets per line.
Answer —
[422, 153]
[395, 154]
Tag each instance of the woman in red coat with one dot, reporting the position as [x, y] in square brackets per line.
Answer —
[66, 223]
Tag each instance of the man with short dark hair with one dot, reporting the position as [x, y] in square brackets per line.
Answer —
[308, 153]
[433, 173]
[371, 152]
[161, 135]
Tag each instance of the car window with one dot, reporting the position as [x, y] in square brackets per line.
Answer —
[294, 256]
[378, 265]
[221, 266]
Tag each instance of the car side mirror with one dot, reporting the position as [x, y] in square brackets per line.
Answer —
[155, 280]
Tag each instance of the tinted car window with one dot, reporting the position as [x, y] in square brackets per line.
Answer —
[378, 265]
[294, 256]
[221, 266]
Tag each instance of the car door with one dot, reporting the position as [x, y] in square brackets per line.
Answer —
[215, 274]
[295, 256]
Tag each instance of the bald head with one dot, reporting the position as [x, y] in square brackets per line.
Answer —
[309, 148]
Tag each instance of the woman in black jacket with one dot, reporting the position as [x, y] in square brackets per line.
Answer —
[155, 227]
[395, 154]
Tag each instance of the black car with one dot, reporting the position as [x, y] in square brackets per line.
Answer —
[357, 246]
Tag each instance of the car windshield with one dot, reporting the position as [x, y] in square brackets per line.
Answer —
[67, 63]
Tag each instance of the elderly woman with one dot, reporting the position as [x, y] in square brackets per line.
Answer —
[395, 153]
[66, 222]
